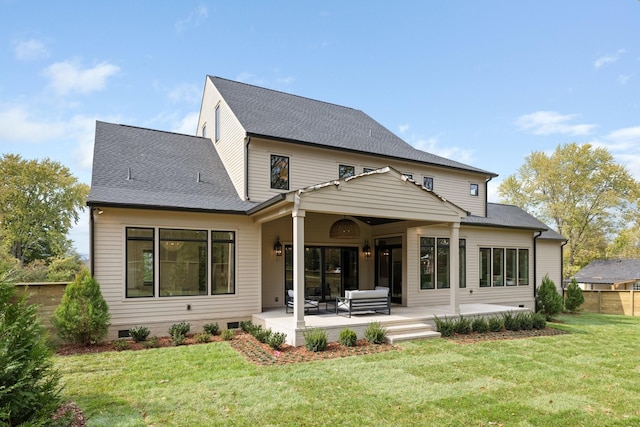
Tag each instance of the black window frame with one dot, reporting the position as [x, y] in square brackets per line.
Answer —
[346, 171]
[427, 182]
[151, 239]
[279, 183]
[474, 190]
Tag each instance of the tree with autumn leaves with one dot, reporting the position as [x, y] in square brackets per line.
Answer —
[581, 192]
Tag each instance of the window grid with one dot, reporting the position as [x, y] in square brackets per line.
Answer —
[503, 267]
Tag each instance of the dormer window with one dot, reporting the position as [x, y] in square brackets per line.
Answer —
[345, 171]
[427, 182]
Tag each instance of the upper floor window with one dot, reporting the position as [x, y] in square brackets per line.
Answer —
[345, 171]
[408, 175]
[279, 172]
[365, 170]
[427, 182]
[217, 123]
[473, 189]
[204, 131]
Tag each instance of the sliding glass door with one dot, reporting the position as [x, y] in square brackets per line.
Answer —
[328, 271]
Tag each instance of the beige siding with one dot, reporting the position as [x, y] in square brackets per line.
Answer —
[310, 166]
[549, 262]
[475, 239]
[157, 312]
[231, 146]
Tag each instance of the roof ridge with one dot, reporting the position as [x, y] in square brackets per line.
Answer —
[287, 93]
[149, 129]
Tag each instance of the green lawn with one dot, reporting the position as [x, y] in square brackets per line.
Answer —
[590, 377]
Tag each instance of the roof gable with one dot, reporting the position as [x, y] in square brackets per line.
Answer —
[277, 115]
[140, 167]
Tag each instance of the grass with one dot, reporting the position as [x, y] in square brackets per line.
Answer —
[588, 377]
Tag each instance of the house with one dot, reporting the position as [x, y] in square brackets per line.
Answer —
[610, 274]
[279, 192]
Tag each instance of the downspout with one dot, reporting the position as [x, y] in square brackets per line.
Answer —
[535, 265]
[246, 168]
[562, 266]
[91, 249]
[486, 195]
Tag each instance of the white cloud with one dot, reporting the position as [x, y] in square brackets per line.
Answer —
[432, 145]
[185, 92]
[624, 146]
[30, 49]
[67, 77]
[194, 19]
[403, 128]
[631, 134]
[608, 59]
[552, 122]
[623, 79]
[18, 125]
[188, 124]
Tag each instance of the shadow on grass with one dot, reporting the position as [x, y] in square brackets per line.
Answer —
[592, 319]
[119, 413]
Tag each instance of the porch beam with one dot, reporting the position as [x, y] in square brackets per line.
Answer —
[454, 267]
[298, 267]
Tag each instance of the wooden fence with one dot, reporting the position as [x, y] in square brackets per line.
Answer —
[612, 302]
[46, 295]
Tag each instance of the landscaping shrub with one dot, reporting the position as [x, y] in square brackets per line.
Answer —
[348, 337]
[277, 339]
[83, 315]
[480, 325]
[496, 324]
[178, 332]
[462, 325]
[211, 328]
[121, 344]
[315, 339]
[152, 342]
[246, 325]
[262, 334]
[525, 321]
[539, 321]
[444, 326]
[574, 297]
[548, 300]
[139, 333]
[227, 334]
[29, 390]
[511, 322]
[202, 338]
[375, 333]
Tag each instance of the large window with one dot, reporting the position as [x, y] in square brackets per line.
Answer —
[222, 262]
[345, 171]
[189, 262]
[504, 266]
[183, 262]
[279, 172]
[435, 263]
[140, 262]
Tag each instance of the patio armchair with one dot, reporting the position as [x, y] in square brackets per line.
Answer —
[309, 304]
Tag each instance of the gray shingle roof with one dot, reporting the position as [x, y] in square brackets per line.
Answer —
[610, 271]
[273, 114]
[164, 171]
[499, 215]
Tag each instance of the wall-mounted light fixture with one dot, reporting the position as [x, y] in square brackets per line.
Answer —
[98, 210]
[366, 249]
[277, 248]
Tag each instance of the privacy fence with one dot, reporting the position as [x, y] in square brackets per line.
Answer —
[46, 295]
[612, 302]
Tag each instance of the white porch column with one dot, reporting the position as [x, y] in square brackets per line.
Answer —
[298, 267]
[454, 267]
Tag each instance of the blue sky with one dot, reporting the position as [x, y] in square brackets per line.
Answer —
[485, 83]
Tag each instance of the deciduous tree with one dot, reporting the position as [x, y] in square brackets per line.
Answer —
[578, 190]
[39, 202]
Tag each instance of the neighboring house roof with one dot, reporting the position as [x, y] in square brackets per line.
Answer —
[610, 271]
[137, 167]
[277, 115]
[508, 216]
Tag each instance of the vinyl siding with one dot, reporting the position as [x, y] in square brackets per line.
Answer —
[311, 165]
[157, 313]
[549, 262]
[231, 146]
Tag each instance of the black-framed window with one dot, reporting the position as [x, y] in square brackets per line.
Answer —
[427, 182]
[435, 263]
[474, 189]
[279, 172]
[345, 171]
[183, 262]
[408, 175]
[223, 250]
[366, 170]
[140, 262]
[217, 123]
[503, 266]
[204, 131]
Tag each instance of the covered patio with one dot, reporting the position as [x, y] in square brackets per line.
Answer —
[404, 323]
